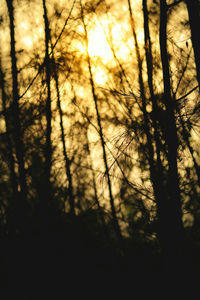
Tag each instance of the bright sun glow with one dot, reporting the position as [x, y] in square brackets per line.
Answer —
[24, 25]
[140, 37]
[28, 41]
[98, 45]
[117, 32]
[99, 76]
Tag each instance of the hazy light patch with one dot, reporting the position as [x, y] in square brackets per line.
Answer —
[98, 45]
[80, 28]
[124, 7]
[40, 30]
[3, 125]
[123, 52]
[80, 92]
[35, 37]
[80, 47]
[37, 21]
[24, 25]
[117, 32]
[100, 76]
[140, 37]
[125, 26]
[130, 43]
[28, 41]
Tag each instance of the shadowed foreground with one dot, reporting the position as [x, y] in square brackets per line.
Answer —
[76, 252]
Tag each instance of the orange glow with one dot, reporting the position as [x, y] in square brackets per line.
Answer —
[28, 41]
[98, 45]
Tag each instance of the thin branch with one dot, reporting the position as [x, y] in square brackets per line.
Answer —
[192, 90]
[174, 4]
[43, 64]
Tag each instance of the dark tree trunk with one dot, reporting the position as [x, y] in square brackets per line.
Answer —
[66, 158]
[147, 132]
[149, 61]
[170, 212]
[156, 170]
[112, 204]
[159, 184]
[11, 162]
[21, 207]
[186, 133]
[193, 7]
[18, 135]
[47, 197]
[100, 211]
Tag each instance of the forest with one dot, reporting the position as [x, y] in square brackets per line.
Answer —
[99, 136]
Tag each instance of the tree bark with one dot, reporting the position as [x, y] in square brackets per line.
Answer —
[170, 212]
[47, 197]
[18, 134]
[193, 7]
[160, 178]
[11, 222]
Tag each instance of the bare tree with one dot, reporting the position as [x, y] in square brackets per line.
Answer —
[47, 197]
[63, 139]
[95, 98]
[18, 135]
[171, 209]
[193, 8]
[11, 160]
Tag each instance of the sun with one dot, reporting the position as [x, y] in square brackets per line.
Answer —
[98, 45]
[28, 41]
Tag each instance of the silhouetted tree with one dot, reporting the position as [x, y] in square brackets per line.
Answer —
[112, 205]
[47, 197]
[173, 230]
[193, 8]
[16, 117]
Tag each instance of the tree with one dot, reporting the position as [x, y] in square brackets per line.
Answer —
[11, 161]
[193, 8]
[66, 158]
[173, 232]
[16, 115]
[112, 205]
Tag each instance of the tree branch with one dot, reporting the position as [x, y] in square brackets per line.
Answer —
[174, 4]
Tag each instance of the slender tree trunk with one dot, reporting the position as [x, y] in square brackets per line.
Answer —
[143, 97]
[171, 211]
[48, 146]
[159, 168]
[18, 135]
[155, 171]
[11, 163]
[193, 7]
[67, 160]
[185, 133]
[106, 233]
[149, 61]
[112, 205]
[20, 209]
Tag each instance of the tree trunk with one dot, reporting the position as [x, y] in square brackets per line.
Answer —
[100, 211]
[67, 160]
[46, 201]
[193, 7]
[21, 207]
[160, 178]
[112, 205]
[156, 170]
[18, 135]
[170, 212]
[11, 163]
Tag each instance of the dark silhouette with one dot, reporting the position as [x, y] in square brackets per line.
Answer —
[99, 178]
